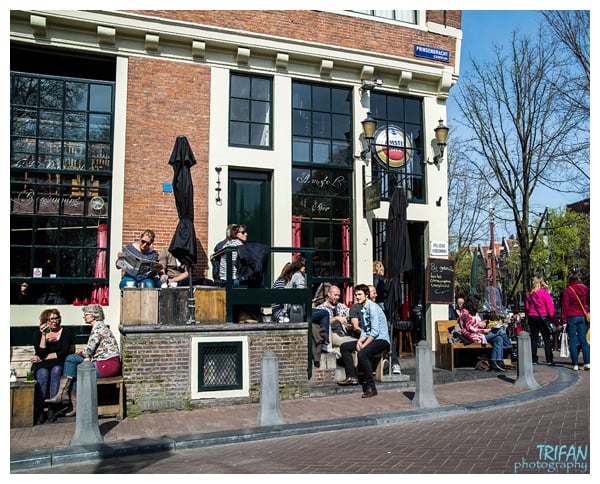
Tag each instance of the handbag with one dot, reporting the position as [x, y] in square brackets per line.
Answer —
[547, 321]
[587, 313]
[564, 344]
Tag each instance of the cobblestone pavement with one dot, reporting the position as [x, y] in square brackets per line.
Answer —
[520, 438]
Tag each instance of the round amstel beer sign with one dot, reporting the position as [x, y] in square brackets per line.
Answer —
[392, 147]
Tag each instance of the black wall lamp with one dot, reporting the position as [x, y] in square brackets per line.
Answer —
[441, 138]
[369, 126]
[218, 189]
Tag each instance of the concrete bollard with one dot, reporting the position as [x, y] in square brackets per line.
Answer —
[424, 394]
[525, 369]
[270, 412]
[87, 430]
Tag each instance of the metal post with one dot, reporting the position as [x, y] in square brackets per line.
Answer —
[87, 430]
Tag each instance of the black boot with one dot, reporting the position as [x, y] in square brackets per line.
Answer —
[51, 415]
[495, 366]
[42, 418]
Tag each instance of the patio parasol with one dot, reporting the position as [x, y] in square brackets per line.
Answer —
[183, 245]
[398, 258]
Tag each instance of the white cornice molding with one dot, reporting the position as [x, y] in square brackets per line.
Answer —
[139, 35]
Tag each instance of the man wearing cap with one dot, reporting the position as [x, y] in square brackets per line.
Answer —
[102, 349]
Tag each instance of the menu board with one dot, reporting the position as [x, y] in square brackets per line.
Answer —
[439, 281]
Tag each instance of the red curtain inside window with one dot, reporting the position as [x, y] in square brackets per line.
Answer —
[296, 233]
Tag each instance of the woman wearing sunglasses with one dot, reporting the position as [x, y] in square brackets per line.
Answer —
[141, 249]
[52, 344]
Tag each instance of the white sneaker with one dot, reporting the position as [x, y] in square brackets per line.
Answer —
[586, 367]
[575, 368]
[396, 369]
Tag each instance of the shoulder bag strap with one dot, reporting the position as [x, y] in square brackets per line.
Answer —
[578, 300]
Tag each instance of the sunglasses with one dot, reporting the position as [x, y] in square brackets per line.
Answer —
[145, 242]
[243, 233]
[53, 319]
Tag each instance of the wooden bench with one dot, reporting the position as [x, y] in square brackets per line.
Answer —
[21, 351]
[445, 357]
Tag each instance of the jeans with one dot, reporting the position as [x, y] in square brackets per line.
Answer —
[148, 283]
[577, 329]
[364, 359]
[500, 342]
[48, 381]
[321, 317]
[71, 363]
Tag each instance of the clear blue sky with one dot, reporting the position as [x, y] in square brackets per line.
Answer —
[481, 30]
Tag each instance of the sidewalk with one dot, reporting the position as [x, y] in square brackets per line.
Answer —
[49, 444]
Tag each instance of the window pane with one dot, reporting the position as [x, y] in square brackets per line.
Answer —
[341, 127]
[100, 127]
[341, 153]
[321, 125]
[301, 150]
[76, 98]
[301, 123]
[75, 126]
[101, 98]
[320, 99]
[239, 110]
[340, 101]
[25, 91]
[301, 97]
[239, 133]
[395, 109]
[260, 112]
[259, 135]
[321, 151]
[51, 93]
[261, 89]
[240, 86]
[413, 111]
[51, 124]
[24, 122]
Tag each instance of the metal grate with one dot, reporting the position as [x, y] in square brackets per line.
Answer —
[220, 366]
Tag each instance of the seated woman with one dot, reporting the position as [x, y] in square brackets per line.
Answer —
[102, 349]
[142, 250]
[174, 271]
[52, 344]
[475, 330]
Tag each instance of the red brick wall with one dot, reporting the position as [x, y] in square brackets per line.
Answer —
[164, 100]
[156, 366]
[325, 27]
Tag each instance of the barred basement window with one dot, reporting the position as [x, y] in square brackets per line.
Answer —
[219, 367]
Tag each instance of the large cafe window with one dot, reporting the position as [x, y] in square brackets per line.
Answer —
[61, 131]
[322, 177]
[397, 149]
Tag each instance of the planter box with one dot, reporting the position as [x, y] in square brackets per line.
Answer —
[139, 306]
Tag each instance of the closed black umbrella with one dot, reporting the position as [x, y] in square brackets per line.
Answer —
[398, 257]
[183, 245]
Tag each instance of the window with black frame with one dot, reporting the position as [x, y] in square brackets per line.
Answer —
[250, 99]
[322, 177]
[61, 131]
[397, 148]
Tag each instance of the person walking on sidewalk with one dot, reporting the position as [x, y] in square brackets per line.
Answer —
[574, 310]
[539, 306]
[102, 349]
[374, 339]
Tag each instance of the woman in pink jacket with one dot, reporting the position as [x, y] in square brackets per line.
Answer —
[538, 307]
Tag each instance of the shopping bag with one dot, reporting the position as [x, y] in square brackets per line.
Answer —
[564, 344]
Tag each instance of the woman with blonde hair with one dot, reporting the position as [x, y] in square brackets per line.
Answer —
[539, 307]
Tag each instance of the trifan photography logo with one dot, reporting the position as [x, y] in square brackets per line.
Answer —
[557, 459]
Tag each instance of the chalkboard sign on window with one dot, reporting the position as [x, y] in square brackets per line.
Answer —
[439, 283]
